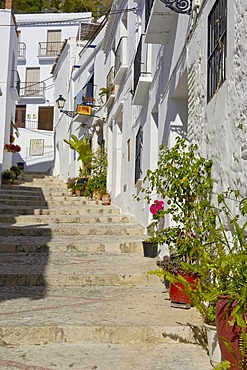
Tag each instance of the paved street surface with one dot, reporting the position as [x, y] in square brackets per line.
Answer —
[75, 292]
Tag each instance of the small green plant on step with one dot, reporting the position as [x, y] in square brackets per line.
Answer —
[224, 365]
[8, 176]
[16, 170]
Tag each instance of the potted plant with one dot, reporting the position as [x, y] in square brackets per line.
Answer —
[96, 186]
[183, 179]
[8, 177]
[228, 268]
[71, 182]
[16, 170]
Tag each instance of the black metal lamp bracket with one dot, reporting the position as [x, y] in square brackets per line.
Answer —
[179, 6]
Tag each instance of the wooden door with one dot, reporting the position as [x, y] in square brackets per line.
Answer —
[45, 120]
[20, 116]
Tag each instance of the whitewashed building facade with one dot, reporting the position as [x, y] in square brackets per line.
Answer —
[41, 37]
[9, 82]
[178, 71]
[83, 66]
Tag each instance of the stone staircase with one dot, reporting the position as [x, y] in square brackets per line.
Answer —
[74, 288]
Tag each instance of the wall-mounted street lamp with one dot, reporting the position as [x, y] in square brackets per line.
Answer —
[82, 109]
[60, 104]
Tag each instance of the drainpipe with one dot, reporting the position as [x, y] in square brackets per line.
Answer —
[8, 4]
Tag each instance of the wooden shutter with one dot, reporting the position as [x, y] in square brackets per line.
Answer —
[53, 42]
[32, 81]
[20, 116]
[45, 120]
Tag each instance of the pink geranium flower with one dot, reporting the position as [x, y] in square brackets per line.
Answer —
[157, 206]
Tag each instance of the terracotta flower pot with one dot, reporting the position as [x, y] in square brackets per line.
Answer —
[178, 291]
[228, 335]
[106, 199]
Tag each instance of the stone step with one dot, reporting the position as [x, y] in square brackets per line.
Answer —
[100, 244]
[72, 229]
[63, 201]
[105, 314]
[30, 189]
[105, 356]
[61, 219]
[72, 210]
[74, 269]
[12, 194]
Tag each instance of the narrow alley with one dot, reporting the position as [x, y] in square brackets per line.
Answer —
[75, 292]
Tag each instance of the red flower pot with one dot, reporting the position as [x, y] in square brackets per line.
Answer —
[178, 291]
[226, 333]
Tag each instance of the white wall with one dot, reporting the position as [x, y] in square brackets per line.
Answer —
[220, 126]
[162, 116]
[8, 94]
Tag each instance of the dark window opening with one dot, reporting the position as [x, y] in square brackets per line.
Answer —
[138, 159]
[217, 47]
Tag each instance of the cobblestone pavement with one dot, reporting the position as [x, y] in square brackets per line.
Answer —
[71, 298]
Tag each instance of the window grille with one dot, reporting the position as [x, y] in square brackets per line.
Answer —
[217, 47]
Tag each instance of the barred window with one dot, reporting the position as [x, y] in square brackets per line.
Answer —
[217, 47]
[138, 158]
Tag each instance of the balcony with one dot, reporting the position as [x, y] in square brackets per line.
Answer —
[21, 52]
[142, 73]
[15, 84]
[121, 59]
[49, 50]
[159, 19]
[110, 87]
[34, 91]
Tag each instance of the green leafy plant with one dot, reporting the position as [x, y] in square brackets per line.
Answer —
[97, 182]
[71, 182]
[83, 148]
[8, 175]
[16, 170]
[183, 179]
[224, 365]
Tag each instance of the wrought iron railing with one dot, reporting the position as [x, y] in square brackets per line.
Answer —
[121, 53]
[148, 9]
[49, 48]
[22, 50]
[32, 89]
[110, 83]
[140, 64]
[15, 81]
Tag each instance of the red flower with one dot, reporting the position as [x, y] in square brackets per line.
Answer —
[157, 206]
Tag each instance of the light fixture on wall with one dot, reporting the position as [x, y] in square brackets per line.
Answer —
[82, 109]
[60, 104]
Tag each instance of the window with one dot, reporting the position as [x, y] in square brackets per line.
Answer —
[53, 42]
[20, 116]
[45, 120]
[217, 47]
[128, 150]
[32, 82]
[139, 145]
